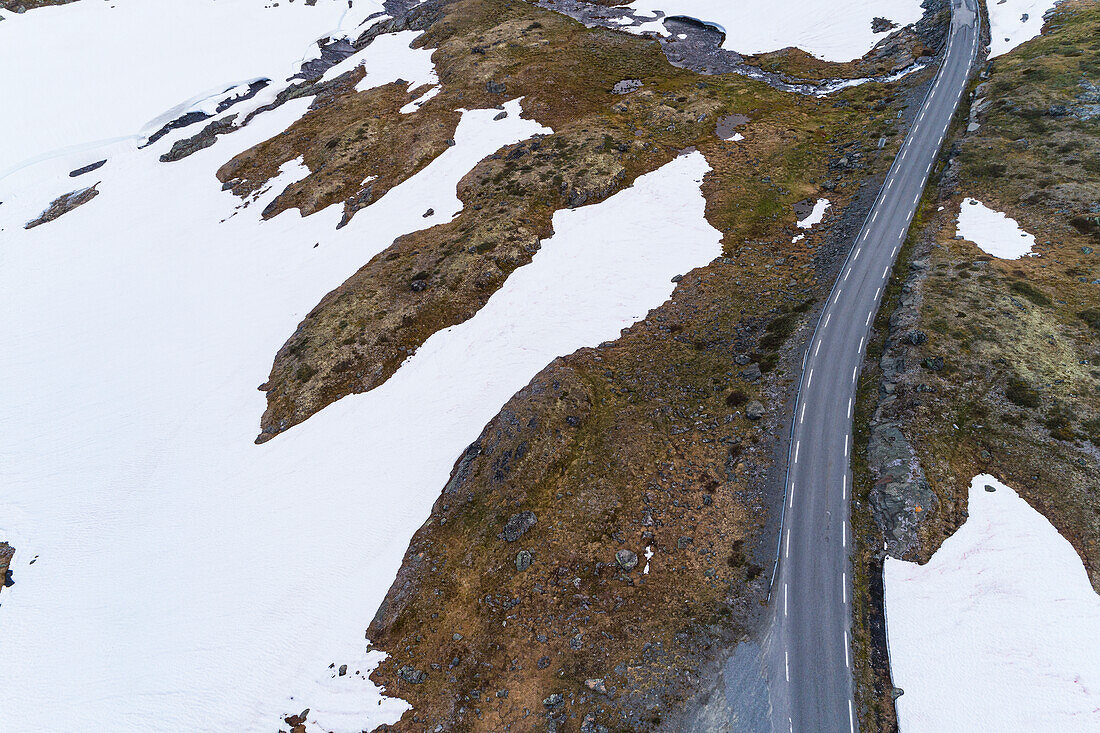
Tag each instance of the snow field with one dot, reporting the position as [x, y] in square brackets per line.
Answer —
[187, 578]
[998, 631]
[89, 71]
[829, 30]
[995, 233]
[1011, 22]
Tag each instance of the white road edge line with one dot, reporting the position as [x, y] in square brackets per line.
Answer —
[787, 552]
[784, 599]
[790, 504]
[844, 586]
[847, 659]
[851, 720]
[843, 534]
[787, 664]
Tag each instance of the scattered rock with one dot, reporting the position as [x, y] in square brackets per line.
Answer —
[500, 115]
[916, 338]
[934, 363]
[596, 684]
[494, 87]
[589, 725]
[518, 526]
[418, 286]
[755, 410]
[626, 559]
[523, 560]
[626, 86]
[411, 675]
[554, 700]
[429, 212]
[752, 373]
[343, 670]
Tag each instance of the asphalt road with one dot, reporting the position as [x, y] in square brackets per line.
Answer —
[809, 649]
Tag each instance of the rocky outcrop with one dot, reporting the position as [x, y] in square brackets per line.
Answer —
[204, 139]
[901, 497]
[7, 552]
[63, 205]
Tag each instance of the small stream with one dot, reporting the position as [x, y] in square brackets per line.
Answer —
[697, 45]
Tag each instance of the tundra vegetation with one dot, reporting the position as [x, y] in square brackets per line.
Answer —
[524, 597]
[993, 365]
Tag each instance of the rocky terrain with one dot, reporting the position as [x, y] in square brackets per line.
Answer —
[984, 364]
[604, 546]
[524, 601]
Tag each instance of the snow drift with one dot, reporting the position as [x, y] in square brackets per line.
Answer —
[998, 631]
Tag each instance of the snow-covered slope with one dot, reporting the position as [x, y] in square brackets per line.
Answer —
[829, 30]
[184, 578]
[998, 632]
[93, 70]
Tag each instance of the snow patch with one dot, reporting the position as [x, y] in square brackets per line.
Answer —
[419, 101]
[1011, 22]
[826, 29]
[995, 233]
[389, 57]
[816, 215]
[998, 631]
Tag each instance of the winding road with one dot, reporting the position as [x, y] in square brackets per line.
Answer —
[808, 655]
